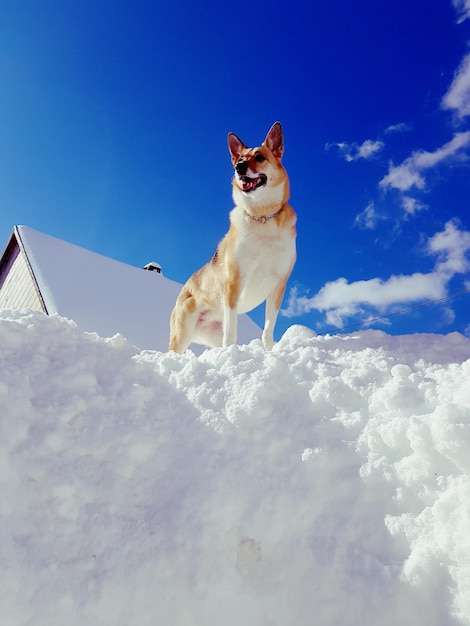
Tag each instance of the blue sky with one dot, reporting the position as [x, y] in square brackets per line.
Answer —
[114, 118]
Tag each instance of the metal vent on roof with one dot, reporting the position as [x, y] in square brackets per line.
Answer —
[153, 267]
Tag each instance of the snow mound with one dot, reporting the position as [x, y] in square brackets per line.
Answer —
[325, 482]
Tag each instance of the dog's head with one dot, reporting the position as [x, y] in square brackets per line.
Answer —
[259, 170]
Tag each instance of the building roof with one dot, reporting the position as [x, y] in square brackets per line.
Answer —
[100, 294]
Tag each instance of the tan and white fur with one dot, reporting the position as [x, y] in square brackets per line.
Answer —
[252, 262]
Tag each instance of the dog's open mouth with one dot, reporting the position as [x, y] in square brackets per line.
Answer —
[250, 184]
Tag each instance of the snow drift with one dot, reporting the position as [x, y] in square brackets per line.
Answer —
[325, 482]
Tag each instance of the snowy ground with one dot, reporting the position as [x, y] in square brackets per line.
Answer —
[325, 483]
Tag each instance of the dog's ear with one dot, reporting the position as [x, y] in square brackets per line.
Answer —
[236, 147]
[275, 140]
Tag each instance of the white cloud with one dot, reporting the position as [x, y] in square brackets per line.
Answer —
[368, 218]
[403, 177]
[354, 151]
[448, 315]
[398, 128]
[411, 206]
[341, 299]
[451, 245]
[463, 9]
[458, 96]
[368, 148]
[409, 173]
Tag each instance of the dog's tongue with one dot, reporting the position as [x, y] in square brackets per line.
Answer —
[249, 183]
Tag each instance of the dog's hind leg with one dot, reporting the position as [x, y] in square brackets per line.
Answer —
[182, 322]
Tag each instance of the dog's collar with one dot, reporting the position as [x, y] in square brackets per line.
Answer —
[264, 218]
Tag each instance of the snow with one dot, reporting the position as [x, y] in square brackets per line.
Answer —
[106, 296]
[325, 482]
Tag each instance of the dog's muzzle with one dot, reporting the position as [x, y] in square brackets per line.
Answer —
[250, 184]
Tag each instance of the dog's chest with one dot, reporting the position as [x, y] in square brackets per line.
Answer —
[265, 255]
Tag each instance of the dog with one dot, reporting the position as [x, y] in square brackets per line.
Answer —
[253, 261]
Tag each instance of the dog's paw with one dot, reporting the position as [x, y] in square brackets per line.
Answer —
[268, 342]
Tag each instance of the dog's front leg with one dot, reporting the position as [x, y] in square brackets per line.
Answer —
[231, 295]
[273, 304]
